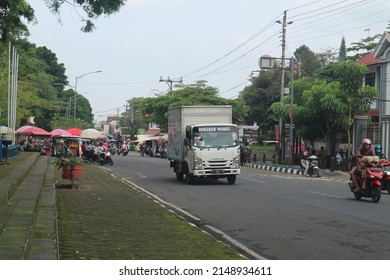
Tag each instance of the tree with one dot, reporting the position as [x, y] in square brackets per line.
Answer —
[12, 14]
[319, 109]
[323, 107]
[91, 8]
[363, 47]
[342, 50]
[38, 92]
[356, 99]
[155, 109]
[259, 96]
[307, 59]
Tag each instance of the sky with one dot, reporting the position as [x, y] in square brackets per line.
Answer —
[219, 41]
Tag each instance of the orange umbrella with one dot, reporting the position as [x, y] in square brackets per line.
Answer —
[74, 131]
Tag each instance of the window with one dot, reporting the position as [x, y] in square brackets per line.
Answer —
[370, 79]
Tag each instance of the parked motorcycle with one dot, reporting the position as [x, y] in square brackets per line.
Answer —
[106, 158]
[373, 177]
[386, 176]
[314, 170]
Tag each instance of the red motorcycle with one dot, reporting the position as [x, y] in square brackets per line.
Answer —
[373, 177]
[386, 175]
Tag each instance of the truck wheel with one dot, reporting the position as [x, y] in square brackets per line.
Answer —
[231, 179]
[179, 176]
[190, 179]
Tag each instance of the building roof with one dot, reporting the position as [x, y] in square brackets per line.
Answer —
[373, 112]
[383, 45]
[368, 59]
[151, 132]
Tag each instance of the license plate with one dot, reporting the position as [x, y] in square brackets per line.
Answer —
[218, 171]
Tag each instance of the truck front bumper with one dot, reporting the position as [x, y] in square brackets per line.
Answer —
[216, 172]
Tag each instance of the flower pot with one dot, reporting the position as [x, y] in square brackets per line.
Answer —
[77, 172]
[74, 150]
[47, 151]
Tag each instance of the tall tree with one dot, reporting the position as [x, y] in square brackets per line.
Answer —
[357, 99]
[342, 50]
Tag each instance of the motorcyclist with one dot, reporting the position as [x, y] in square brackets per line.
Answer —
[100, 150]
[62, 149]
[305, 159]
[364, 150]
[378, 152]
[89, 150]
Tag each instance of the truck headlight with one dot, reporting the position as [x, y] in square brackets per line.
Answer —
[198, 163]
[236, 162]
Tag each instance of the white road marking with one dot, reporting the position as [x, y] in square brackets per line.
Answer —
[324, 194]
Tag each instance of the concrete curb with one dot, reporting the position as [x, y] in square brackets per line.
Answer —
[269, 167]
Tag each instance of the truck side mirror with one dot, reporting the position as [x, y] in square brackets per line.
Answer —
[188, 132]
[186, 142]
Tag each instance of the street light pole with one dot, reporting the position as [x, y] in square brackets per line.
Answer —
[75, 88]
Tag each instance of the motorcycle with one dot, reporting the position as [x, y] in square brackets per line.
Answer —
[373, 177]
[125, 150]
[163, 152]
[90, 156]
[386, 176]
[314, 170]
[106, 158]
[113, 150]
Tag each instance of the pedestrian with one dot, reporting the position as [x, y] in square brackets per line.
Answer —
[242, 155]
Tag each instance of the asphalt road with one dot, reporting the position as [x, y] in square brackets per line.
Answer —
[277, 215]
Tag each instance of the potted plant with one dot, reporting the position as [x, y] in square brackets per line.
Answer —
[71, 167]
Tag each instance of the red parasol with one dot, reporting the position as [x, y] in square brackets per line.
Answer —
[20, 129]
[34, 131]
[74, 131]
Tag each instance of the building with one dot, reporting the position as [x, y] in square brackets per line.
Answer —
[382, 53]
[376, 124]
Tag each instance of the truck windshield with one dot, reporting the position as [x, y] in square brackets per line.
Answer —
[215, 136]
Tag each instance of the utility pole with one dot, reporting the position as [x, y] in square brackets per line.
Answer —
[170, 82]
[282, 82]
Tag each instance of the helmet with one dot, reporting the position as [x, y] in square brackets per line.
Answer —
[378, 149]
[366, 141]
[309, 147]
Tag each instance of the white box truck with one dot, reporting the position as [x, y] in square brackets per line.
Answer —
[203, 142]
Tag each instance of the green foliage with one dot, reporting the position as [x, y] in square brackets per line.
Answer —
[91, 8]
[342, 50]
[13, 13]
[363, 47]
[69, 162]
[260, 95]
[156, 109]
[38, 94]
[307, 60]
